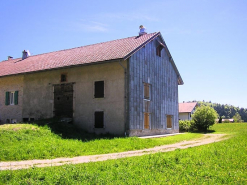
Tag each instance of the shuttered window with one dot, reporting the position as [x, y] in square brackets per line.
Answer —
[7, 98]
[16, 97]
[11, 98]
[146, 105]
[146, 120]
[99, 89]
[169, 121]
[146, 91]
[99, 119]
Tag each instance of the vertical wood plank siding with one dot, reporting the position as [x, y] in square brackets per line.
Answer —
[146, 66]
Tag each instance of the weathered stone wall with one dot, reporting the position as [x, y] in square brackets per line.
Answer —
[38, 95]
[11, 84]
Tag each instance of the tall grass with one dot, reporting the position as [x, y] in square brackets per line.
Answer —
[223, 162]
[26, 141]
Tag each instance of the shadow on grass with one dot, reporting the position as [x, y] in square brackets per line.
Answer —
[70, 131]
[203, 132]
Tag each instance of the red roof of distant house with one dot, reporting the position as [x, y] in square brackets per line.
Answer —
[187, 107]
[116, 49]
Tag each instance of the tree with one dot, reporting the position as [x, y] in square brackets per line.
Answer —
[237, 118]
[204, 117]
[220, 120]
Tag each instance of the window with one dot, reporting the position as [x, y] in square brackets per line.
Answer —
[158, 50]
[99, 89]
[99, 119]
[146, 91]
[13, 121]
[63, 77]
[169, 121]
[25, 120]
[11, 98]
[147, 120]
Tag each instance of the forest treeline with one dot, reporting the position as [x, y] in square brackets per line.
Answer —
[225, 111]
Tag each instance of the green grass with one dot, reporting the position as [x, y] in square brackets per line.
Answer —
[26, 141]
[223, 162]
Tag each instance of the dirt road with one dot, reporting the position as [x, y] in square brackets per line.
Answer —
[15, 165]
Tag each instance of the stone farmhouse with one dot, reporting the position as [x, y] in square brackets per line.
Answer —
[125, 87]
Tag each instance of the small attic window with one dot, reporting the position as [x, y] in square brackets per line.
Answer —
[158, 50]
[63, 77]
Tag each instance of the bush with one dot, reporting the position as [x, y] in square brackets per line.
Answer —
[204, 117]
[185, 125]
[226, 121]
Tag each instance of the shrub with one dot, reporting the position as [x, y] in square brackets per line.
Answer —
[185, 125]
[204, 117]
[226, 121]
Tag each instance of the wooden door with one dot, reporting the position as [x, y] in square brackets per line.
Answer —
[63, 100]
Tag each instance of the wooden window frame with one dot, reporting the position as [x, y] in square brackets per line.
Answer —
[95, 93]
[103, 126]
[171, 119]
[146, 91]
[147, 117]
[11, 97]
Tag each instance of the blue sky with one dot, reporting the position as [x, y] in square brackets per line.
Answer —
[207, 38]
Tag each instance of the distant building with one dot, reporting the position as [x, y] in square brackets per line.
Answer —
[226, 120]
[186, 110]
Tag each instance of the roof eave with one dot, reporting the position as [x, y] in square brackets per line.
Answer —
[65, 67]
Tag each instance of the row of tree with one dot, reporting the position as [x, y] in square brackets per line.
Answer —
[226, 111]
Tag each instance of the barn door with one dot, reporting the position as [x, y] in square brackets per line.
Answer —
[63, 100]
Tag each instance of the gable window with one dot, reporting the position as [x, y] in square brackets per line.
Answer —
[99, 119]
[99, 89]
[169, 121]
[146, 91]
[11, 98]
[158, 50]
[63, 77]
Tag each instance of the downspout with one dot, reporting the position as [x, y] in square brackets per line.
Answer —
[125, 97]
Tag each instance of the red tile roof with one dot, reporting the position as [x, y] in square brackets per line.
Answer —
[116, 49]
[187, 107]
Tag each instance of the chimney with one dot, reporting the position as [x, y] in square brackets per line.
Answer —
[10, 57]
[24, 55]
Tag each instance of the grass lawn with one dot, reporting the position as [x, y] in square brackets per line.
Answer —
[27, 141]
[223, 162]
